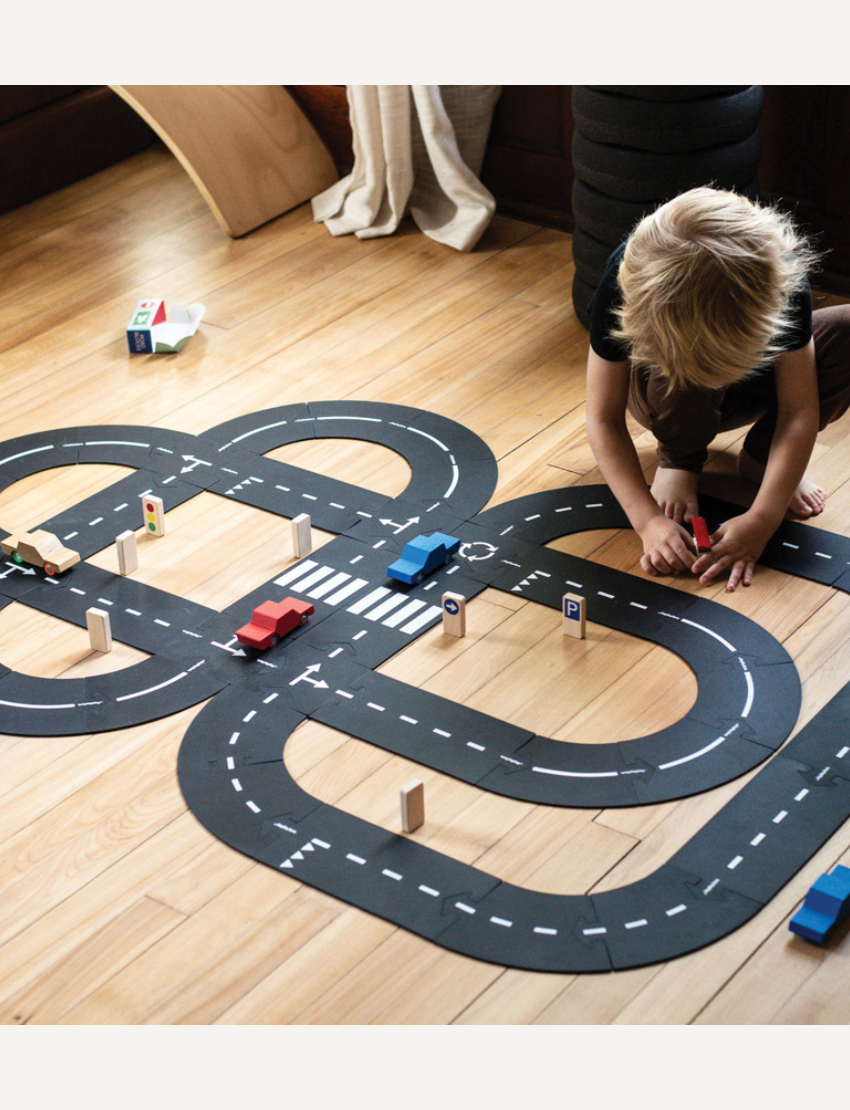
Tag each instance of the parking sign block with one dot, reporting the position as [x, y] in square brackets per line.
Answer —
[574, 610]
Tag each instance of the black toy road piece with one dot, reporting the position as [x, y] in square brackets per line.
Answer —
[230, 765]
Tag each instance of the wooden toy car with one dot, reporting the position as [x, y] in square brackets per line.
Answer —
[40, 549]
[272, 620]
[825, 907]
[702, 540]
[423, 555]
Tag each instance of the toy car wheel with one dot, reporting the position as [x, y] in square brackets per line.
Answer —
[304, 618]
[16, 557]
[49, 569]
[419, 578]
[275, 640]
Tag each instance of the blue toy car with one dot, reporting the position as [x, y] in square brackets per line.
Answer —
[422, 556]
[827, 904]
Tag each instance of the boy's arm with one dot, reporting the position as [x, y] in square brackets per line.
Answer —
[740, 541]
[666, 544]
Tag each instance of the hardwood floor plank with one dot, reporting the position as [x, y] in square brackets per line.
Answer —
[95, 960]
[117, 906]
[195, 945]
[59, 930]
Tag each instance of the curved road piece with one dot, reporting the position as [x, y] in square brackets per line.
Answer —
[230, 765]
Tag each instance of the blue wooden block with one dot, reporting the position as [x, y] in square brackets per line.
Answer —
[826, 905]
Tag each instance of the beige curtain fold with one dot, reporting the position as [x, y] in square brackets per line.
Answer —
[417, 151]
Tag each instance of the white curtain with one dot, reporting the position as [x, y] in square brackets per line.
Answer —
[417, 151]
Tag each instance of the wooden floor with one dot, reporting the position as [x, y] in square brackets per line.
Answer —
[116, 906]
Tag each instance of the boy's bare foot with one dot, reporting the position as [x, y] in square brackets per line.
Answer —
[675, 492]
[809, 499]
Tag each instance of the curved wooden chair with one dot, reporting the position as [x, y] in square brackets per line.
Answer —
[250, 150]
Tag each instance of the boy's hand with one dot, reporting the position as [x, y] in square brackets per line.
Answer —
[667, 547]
[738, 545]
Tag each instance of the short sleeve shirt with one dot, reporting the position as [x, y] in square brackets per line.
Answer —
[686, 421]
[608, 299]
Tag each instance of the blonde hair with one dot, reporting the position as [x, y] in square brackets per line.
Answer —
[707, 281]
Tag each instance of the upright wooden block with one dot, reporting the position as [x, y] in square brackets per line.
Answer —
[412, 805]
[302, 542]
[454, 614]
[100, 629]
[154, 514]
[128, 552]
[574, 610]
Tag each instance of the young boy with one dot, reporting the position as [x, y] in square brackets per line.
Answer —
[702, 321]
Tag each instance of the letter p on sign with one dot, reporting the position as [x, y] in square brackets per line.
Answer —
[574, 609]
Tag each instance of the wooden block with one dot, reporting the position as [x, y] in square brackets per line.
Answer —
[128, 552]
[302, 542]
[454, 614]
[574, 611]
[249, 149]
[154, 515]
[100, 629]
[412, 805]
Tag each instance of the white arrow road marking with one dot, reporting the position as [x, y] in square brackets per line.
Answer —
[15, 566]
[400, 527]
[305, 676]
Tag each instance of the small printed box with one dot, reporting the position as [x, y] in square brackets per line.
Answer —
[151, 332]
[146, 316]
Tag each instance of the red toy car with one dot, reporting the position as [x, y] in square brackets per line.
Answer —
[702, 540]
[272, 620]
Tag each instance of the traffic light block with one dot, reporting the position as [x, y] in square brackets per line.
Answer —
[154, 515]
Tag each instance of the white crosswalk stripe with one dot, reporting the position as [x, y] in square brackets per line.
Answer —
[385, 607]
[402, 614]
[329, 584]
[294, 573]
[315, 576]
[346, 591]
[392, 609]
[422, 619]
[369, 600]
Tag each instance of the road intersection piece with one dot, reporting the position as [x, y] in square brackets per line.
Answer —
[230, 765]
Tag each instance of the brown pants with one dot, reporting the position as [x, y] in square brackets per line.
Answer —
[684, 426]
